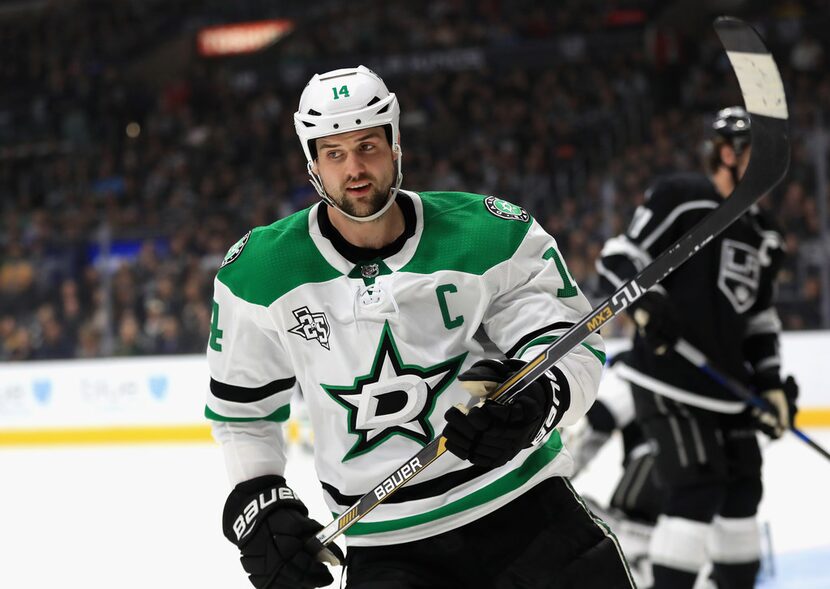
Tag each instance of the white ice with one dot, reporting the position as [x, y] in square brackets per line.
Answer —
[149, 516]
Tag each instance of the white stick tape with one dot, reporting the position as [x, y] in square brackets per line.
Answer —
[760, 83]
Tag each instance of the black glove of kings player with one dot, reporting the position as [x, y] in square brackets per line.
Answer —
[780, 397]
[657, 320]
[271, 527]
[491, 434]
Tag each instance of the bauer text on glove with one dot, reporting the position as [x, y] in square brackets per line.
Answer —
[272, 530]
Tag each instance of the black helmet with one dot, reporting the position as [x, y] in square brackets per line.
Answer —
[734, 124]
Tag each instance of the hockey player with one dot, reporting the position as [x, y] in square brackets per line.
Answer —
[381, 305]
[708, 459]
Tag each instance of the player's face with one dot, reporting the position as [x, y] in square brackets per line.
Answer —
[357, 169]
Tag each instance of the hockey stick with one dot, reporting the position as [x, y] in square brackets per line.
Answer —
[764, 98]
[697, 358]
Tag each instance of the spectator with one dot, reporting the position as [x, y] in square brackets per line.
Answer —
[17, 280]
[89, 342]
[54, 344]
[130, 339]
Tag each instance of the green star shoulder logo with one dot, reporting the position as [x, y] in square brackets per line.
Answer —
[505, 210]
[235, 250]
[394, 398]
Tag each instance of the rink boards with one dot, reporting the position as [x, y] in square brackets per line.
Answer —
[161, 399]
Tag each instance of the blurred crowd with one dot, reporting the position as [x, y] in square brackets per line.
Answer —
[119, 194]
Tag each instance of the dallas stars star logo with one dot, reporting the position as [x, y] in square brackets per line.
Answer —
[393, 398]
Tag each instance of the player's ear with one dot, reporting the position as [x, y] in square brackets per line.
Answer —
[396, 153]
[314, 166]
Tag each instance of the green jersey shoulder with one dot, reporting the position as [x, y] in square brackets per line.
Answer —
[467, 232]
[272, 260]
[462, 232]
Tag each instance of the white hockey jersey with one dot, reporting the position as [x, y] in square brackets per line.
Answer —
[375, 348]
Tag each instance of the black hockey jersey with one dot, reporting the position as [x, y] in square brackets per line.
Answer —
[724, 293]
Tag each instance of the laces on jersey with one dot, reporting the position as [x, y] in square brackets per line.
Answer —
[369, 303]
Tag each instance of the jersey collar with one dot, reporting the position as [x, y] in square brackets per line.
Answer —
[344, 256]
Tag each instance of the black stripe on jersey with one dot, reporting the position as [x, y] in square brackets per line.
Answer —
[527, 338]
[229, 392]
[413, 492]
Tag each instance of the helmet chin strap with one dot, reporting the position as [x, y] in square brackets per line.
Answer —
[317, 182]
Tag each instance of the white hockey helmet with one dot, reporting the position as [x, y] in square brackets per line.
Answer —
[341, 101]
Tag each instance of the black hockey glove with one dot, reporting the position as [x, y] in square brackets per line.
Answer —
[271, 527]
[781, 399]
[491, 434]
[657, 321]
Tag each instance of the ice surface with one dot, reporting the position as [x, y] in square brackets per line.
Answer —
[149, 516]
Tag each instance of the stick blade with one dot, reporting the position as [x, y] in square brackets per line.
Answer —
[755, 68]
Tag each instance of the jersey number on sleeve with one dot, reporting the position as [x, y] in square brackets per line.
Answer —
[215, 332]
[569, 290]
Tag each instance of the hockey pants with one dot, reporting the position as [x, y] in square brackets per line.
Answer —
[545, 539]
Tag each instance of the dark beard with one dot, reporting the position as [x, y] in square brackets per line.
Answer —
[376, 202]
